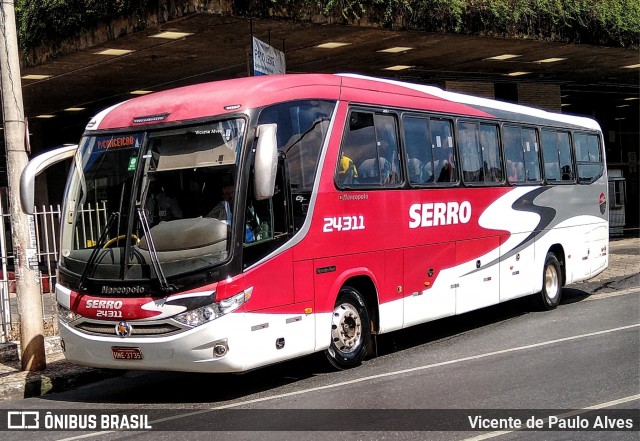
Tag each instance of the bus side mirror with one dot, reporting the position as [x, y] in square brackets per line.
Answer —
[266, 162]
[36, 166]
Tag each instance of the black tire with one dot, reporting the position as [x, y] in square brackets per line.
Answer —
[549, 297]
[350, 330]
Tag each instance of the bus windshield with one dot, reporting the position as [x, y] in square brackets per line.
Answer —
[145, 203]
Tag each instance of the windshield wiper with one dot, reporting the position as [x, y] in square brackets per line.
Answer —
[94, 254]
[165, 286]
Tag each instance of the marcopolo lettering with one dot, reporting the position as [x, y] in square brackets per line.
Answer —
[434, 214]
[122, 290]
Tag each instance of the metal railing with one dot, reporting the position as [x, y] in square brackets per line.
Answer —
[93, 218]
[47, 225]
[6, 257]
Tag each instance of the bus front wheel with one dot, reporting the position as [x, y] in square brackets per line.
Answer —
[350, 330]
[549, 297]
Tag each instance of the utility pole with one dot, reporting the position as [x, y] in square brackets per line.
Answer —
[22, 225]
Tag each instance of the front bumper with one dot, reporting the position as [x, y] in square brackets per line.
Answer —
[191, 350]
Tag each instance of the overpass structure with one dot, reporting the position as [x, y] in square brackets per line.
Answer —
[66, 83]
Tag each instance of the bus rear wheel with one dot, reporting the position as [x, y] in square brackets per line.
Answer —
[549, 297]
[350, 330]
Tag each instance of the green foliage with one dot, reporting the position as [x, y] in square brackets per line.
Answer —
[609, 22]
[45, 21]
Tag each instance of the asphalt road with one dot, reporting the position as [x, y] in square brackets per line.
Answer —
[427, 382]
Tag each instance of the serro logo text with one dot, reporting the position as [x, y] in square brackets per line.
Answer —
[439, 213]
[104, 304]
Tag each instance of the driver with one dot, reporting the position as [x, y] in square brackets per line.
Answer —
[222, 212]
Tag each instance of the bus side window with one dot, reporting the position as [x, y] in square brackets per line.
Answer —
[588, 157]
[470, 156]
[564, 153]
[420, 155]
[556, 149]
[369, 151]
[513, 153]
[387, 143]
[530, 148]
[358, 144]
[582, 151]
[480, 153]
[442, 144]
[490, 149]
[549, 140]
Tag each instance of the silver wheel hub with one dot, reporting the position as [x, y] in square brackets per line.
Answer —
[551, 282]
[346, 328]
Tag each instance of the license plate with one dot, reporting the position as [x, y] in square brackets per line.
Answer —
[122, 353]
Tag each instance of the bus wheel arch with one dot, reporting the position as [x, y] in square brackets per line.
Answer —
[367, 289]
[354, 321]
[558, 251]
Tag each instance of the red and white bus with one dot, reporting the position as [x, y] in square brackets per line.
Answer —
[225, 226]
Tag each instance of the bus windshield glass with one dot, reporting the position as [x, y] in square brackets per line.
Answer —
[145, 203]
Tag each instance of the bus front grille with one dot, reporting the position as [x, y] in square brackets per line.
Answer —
[136, 329]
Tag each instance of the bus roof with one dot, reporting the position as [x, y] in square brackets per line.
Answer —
[230, 96]
[487, 103]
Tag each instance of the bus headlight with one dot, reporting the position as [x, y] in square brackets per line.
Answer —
[65, 315]
[204, 314]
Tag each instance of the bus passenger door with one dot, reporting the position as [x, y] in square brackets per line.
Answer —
[429, 285]
[479, 281]
[517, 276]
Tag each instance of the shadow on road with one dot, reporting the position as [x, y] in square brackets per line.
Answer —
[165, 388]
[572, 295]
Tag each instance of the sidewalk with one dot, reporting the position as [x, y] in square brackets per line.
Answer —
[60, 375]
